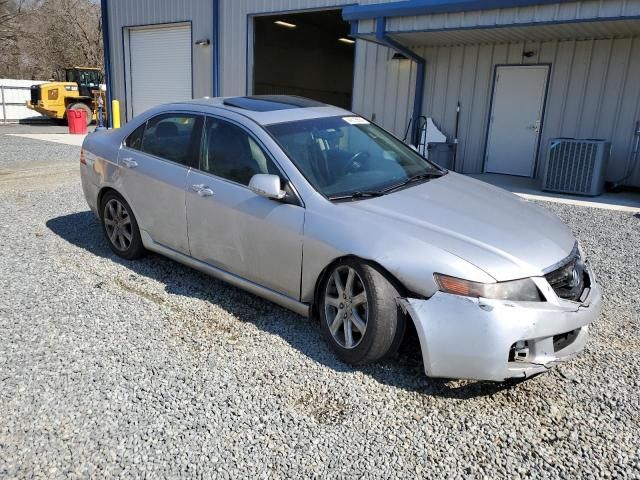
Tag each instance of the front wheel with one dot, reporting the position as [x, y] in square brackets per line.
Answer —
[359, 315]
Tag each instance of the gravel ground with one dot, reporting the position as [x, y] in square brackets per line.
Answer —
[12, 149]
[34, 127]
[150, 369]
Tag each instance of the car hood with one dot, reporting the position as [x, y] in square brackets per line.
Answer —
[498, 232]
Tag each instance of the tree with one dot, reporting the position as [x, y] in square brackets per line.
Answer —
[49, 35]
[9, 13]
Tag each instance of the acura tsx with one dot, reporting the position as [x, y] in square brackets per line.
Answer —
[321, 211]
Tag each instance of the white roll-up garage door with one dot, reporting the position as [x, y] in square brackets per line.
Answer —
[160, 66]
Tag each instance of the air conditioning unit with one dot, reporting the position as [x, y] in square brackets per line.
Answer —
[576, 166]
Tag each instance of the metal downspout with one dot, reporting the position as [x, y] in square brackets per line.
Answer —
[381, 37]
[216, 48]
[107, 58]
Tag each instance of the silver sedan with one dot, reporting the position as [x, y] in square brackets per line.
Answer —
[319, 210]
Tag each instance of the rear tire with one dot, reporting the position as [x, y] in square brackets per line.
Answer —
[85, 107]
[120, 227]
[359, 316]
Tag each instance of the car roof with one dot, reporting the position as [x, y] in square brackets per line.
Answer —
[271, 109]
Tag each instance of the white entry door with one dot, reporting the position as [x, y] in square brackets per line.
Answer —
[516, 119]
[159, 66]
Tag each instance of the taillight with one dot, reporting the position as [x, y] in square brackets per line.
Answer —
[83, 160]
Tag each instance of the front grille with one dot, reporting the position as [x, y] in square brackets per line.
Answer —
[563, 340]
[569, 278]
[35, 94]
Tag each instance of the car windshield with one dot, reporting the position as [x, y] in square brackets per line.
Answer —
[349, 156]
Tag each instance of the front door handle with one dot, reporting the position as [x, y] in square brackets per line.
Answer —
[202, 190]
[129, 162]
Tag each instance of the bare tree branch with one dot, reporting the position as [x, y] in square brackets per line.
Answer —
[40, 37]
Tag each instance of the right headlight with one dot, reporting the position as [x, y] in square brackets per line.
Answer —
[523, 290]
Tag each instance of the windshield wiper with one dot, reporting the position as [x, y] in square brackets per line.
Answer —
[413, 179]
[359, 194]
[378, 193]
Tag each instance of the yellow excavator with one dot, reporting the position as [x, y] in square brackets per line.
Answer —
[80, 91]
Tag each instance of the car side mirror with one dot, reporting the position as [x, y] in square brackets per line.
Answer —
[267, 185]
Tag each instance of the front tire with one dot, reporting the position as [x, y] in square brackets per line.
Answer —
[359, 315]
[120, 227]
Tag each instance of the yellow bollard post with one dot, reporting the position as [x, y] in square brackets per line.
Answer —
[115, 113]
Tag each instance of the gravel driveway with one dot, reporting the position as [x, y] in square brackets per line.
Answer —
[150, 369]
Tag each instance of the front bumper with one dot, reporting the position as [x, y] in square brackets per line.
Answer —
[482, 339]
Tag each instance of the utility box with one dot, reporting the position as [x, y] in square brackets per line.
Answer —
[576, 166]
[441, 153]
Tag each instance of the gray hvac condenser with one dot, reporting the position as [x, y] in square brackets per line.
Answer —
[576, 166]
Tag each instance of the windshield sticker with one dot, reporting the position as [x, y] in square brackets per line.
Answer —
[356, 120]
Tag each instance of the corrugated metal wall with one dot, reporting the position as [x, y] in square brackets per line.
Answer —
[602, 71]
[126, 13]
[594, 92]
[594, 89]
[235, 29]
[383, 88]
[390, 88]
[561, 11]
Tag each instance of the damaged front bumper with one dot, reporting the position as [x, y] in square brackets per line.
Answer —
[482, 339]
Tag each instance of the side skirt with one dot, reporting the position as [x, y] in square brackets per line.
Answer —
[251, 287]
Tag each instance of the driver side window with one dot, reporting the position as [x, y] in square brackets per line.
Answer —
[231, 153]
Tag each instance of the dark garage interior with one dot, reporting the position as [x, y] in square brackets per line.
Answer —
[308, 54]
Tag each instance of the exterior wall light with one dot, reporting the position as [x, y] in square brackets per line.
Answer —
[399, 56]
[348, 41]
[203, 43]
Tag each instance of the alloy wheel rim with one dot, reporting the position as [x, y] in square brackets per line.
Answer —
[117, 222]
[346, 307]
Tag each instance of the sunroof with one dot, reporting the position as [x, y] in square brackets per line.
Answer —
[269, 103]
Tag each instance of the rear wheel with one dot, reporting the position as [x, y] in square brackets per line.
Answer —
[120, 227]
[359, 315]
[85, 107]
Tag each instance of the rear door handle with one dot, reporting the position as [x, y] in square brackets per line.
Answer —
[129, 162]
[202, 190]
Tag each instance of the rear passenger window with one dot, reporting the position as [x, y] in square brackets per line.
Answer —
[173, 136]
[135, 139]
